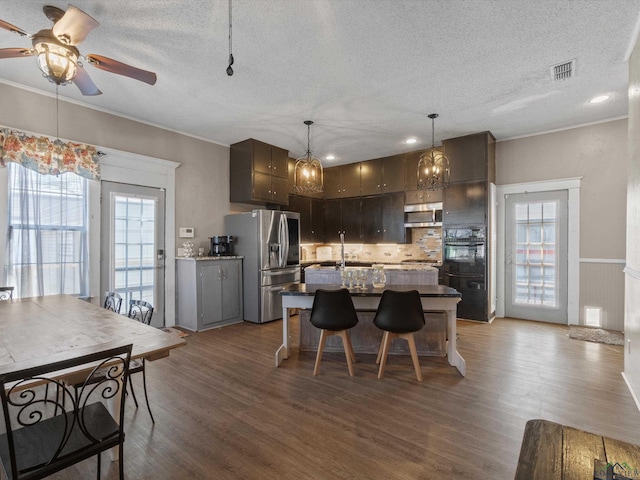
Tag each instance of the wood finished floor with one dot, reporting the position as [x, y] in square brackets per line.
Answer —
[223, 411]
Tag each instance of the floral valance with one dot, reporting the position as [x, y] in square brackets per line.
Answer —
[47, 156]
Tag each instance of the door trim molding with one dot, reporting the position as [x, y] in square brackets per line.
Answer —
[572, 185]
[131, 168]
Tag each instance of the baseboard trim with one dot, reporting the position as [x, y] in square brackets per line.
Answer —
[633, 395]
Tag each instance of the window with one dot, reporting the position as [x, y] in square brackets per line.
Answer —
[47, 241]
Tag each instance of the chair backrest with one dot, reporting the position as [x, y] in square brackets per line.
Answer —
[141, 311]
[46, 434]
[112, 301]
[333, 310]
[400, 311]
[6, 293]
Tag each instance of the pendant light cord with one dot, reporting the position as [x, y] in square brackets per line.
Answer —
[433, 133]
[229, 69]
[57, 114]
[309, 140]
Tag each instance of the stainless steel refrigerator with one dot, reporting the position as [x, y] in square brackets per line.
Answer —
[269, 241]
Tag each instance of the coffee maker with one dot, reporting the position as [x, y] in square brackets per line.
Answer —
[221, 245]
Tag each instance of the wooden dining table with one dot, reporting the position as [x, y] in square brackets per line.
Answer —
[40, 330]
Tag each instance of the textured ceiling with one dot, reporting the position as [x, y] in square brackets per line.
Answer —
[367, 72]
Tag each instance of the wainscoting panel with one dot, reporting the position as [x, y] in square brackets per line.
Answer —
[602, 286]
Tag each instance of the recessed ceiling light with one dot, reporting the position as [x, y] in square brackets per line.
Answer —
[411, 141]
[599, 99]
[330, 157]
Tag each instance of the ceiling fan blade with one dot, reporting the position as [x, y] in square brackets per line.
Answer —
[74, 26]
[84, 83]
[13, 28]
[15, 52]
[113, 66]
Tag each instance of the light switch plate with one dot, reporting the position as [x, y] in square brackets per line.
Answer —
[187, 232]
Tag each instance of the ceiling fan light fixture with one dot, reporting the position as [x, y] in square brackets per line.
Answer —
[58, 62]
[433, 165]
[308, 175]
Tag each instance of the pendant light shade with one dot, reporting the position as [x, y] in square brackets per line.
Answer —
[433, 166]
[308, 175]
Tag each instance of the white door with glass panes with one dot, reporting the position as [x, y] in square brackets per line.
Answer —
[132, 239]
[536, 256]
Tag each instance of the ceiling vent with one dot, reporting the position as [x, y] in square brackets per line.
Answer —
[563, 71]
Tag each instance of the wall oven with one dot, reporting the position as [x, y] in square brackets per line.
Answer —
[465, 269]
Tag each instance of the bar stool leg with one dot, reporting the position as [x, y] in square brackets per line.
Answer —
[386, 341]
[414, 354]
[323, 338]
[348, 353]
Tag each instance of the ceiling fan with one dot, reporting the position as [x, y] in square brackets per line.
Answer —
[58, 55]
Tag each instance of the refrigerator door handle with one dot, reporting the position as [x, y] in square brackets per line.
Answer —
[281, 241]
[285, 239]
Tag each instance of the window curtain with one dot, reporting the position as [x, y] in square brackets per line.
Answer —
[47, 244]
[49, 157]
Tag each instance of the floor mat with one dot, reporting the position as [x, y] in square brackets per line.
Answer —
[597, 335]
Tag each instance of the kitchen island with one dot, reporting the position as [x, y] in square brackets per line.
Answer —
[365, 337]
[434, 298]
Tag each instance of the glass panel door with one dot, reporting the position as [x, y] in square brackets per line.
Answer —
[133, 245]
[133, 262]
[536, 270]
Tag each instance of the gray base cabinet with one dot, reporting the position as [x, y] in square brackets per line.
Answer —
[209, 292]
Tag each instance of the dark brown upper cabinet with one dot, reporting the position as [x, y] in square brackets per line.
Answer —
[311, 212]
[258, 173]
[382, 218]
[422, 196]
[382, 175]
[471, 158]
[342, 181]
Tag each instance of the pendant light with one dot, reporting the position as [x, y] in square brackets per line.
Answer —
[433, 166]
[308, 176]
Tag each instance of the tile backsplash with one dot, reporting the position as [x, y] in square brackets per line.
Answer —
[426, 245]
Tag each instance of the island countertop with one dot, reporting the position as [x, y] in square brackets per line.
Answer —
[309, 289]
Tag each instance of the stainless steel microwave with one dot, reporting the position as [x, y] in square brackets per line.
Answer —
[423, 215]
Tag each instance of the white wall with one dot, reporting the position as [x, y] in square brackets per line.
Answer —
[632, 279]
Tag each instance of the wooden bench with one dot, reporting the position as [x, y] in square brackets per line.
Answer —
[551, 451]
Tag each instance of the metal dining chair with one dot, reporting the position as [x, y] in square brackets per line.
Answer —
[6, 293]
[35, 443]
[334, 314]
[399, 315]
[141, 311]
[112, 301]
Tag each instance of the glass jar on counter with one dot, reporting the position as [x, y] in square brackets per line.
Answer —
[378, 277]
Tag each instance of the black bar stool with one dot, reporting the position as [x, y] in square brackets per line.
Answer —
[334, 314]
[399, 314]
